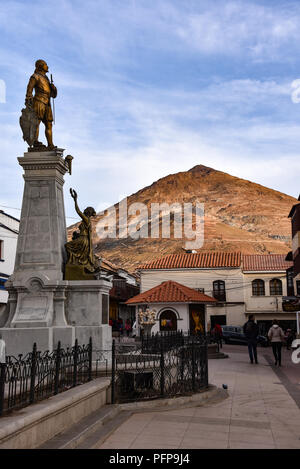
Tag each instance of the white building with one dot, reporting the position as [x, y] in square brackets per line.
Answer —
[176, 307]
[242, 284]
[265, 285]
[9, 229]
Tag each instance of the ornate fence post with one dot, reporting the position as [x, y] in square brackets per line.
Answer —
[113, 371]
[75, 363]
[206, 363]
[2, 386]
[162, 370]
[193, 365]
[57, 368]
[33, 373]
[90, 359]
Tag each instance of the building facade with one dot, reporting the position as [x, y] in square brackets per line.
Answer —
[295, 254]
[240, 284]
[9, 229]
[125, 286]
[265, 287]
[176, 307]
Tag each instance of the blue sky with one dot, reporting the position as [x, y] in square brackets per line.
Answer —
[148, 88]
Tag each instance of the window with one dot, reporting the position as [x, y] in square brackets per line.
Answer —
[2, 283]
[258, 287]
[275, 287]
[219, 290]
[290, 281]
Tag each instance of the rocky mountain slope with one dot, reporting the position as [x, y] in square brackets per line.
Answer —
[239, 216]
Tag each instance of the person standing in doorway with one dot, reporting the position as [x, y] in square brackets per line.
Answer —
[251, 332]
[276, 336]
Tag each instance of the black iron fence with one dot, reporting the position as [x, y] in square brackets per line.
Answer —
[162, 365]
[36, 376]
[164, 339]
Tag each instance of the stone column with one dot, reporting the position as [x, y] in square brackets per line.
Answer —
[42, 233]
[36, 305]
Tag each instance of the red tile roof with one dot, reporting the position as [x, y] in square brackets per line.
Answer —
[193, 261]
[171, 292]
[261, 262]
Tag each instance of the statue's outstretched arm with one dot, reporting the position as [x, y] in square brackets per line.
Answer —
[74, 196]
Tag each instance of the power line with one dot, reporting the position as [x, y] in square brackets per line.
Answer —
[15, 208]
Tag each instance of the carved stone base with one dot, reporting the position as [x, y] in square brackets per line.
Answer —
[77, 272]
[20, 341]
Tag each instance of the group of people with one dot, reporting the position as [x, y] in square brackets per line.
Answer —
[118, 326]
[275, 335]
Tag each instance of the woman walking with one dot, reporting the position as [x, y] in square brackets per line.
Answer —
[276, 336]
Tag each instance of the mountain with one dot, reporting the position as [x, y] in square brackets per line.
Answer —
[239, 216]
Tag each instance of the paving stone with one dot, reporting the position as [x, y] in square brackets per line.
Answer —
[261, 412]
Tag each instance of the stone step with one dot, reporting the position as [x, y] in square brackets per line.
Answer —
[95, 440]
[82, 434]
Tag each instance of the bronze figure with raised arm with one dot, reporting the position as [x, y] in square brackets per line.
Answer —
[80, 249]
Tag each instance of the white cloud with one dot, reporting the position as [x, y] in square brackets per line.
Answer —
[230, 28]
[127, 126]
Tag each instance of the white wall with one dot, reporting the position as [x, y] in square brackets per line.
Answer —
[181, 310]
[204, 278]
[9, 246]
[9, 222]
[267, 303]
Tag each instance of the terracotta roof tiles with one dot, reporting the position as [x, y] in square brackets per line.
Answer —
[198, 260]
[171, 292]
[263, 262]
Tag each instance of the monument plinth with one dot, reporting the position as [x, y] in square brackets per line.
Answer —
[42, 306]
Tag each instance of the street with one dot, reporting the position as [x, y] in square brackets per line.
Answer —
[262, 410]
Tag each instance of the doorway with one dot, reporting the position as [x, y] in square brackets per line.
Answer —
[168, 321]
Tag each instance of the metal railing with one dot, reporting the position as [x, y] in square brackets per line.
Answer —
[36, 376]
[162, 365]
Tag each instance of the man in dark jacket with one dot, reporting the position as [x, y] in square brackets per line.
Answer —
[251, 332]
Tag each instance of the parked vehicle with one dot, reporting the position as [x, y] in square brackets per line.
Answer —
[235, 335]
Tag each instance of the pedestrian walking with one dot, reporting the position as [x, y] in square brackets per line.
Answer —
[218, 334]
[276, 336]
[251, 332]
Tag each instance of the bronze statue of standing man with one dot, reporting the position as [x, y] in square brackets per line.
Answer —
[38, 108]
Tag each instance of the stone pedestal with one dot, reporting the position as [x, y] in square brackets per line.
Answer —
[42, 307]
[42, 234]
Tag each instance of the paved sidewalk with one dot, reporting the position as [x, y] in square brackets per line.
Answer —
[259, 413]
